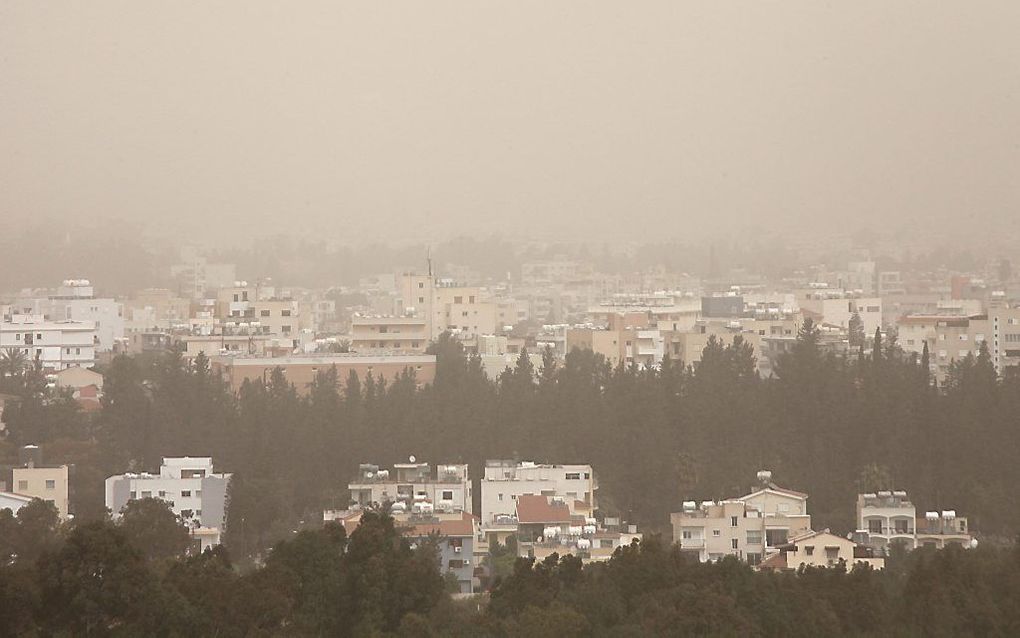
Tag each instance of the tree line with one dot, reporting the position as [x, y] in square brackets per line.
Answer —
[135, 578]
[825, 424]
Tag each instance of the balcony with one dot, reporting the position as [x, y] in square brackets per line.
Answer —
[692, 543]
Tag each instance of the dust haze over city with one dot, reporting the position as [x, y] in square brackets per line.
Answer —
[501, 319]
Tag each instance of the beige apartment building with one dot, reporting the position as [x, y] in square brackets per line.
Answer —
[370, 334]
[688, 346]
[751, 527]
[617, 346]
[46, 483]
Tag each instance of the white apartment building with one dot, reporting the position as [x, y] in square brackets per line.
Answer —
[888, 517]
[751, 527]
[837, 308]
[56, 344]
[193, 489]
[506, 481]
[412, 487]
[1003, 335]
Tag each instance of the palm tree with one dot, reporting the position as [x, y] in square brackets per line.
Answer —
[12, 362]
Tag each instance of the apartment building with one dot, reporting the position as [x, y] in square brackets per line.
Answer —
[546, 525]
[750, 527]
[406, 334]
[413, 485]
[56, 344]
[191, 487]
[837, 307]
[467, 311]
[1003, 335]
[888, 518]
[616, 345]
[32, 479]
[504, 482]
[939, 530]
[455, 536]
[301, 370]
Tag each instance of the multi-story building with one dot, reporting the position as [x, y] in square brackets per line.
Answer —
[301, 370]
[56, 344]
[547, 525]
[836, 307]
[751, 527]
[32, 479]
[949, 337]
[455, 536]
[371, 334]
[939, 530]
[411, 483]
[1003, 335]
[506, 481]
[616, 345]
[888, 518]
[191, 487]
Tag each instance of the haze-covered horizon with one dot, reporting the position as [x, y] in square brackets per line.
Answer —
[595, 121]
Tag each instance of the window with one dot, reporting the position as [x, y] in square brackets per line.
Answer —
[421, 299]
[187, 514]
[162, 493]
[285, 313]
[51, 484]
[687, 534]
[733, 543]
[198, 493]
[458, 299]
[499, 497]
[572, 476]
[447, 495]
[186, 493]
[198, 512]
[147, 494]
[456, 563]
[471, 299]
[900, 526]
[774, 537]
[809, 550]
[716, 533]
[22, 485]
[587, 475]
[421, 284]
[754, 537]
[285, 330]
[875, 526]
[733, 521]
[264, 313]
[753, 558]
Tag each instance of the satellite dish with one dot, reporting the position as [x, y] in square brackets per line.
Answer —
[410, 459]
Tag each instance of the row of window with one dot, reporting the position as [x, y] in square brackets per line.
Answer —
[164, 494]
[51, 484]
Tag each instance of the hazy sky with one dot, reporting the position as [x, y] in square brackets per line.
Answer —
[554, 119]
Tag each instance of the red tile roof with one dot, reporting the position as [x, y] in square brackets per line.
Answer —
[541, 509]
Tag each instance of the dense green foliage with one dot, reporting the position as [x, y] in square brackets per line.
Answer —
[95, 581]
[827, 425]
[91, 580]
